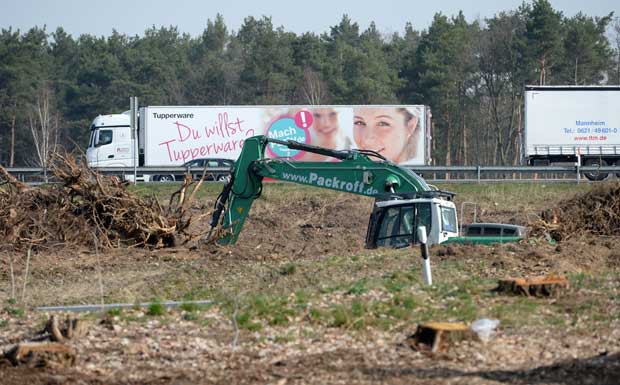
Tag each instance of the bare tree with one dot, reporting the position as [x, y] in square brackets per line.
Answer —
[44, 126]
[12, 150]
[314, 88]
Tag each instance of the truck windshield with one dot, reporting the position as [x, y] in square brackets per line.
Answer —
[91, 139]
[448, 219]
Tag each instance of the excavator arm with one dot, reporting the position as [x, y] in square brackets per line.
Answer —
[355, 172]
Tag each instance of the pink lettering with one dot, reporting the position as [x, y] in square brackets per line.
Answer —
[230, 146]
[223, 127]
[223, 123]
[168, 147]
[189, 132]
[210, 131]
[185, 155]
[235, 126]
[183, 136]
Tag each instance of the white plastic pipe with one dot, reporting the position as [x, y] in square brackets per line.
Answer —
[426, 262]
[428, 278]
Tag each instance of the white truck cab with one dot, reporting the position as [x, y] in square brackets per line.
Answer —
[110, 143]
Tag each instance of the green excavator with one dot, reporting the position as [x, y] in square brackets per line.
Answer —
[403, 200]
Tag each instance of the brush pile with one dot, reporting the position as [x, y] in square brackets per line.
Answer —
[596, 212]
[88, 209]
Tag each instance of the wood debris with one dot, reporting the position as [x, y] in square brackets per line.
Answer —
[86, 208]
[595, 212]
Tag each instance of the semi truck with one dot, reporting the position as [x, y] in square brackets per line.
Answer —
[170, 136]
[573, 124]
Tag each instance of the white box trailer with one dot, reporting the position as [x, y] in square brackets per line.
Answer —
[572, 124]
[175, 135]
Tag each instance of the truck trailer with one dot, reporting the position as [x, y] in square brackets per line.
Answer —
[174, 135]
[573, 124]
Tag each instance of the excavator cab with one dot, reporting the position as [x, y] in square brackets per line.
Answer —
[394, 223]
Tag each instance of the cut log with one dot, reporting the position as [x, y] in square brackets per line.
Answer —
[546, 286]
[36, 355]
[439, 336]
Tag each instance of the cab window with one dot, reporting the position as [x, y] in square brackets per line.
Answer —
[423, 216]
[510, 232]
[474, 230]
[448, 219]
[105, 137]
[492, 230]
[399, 224]
[392, 231]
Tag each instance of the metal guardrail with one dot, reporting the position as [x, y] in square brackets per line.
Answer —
[38, 175]
[442, 174]
[477, 174]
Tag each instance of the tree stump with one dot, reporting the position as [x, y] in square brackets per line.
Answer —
[69, 329]
[439, 336]
[546, 286]
[37, 355]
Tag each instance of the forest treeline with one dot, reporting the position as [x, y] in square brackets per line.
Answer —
[471, 74]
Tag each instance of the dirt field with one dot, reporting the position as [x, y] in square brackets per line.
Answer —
[299, 300]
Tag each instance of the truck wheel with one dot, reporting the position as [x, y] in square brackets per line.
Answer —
[595, 175]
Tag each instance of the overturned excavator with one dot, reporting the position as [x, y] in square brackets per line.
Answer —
[403, 200]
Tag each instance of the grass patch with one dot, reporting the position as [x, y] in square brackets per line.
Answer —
[156, 309]
[115, 312]
[189, 307]
[339, 316]
[358, 288]
[315, 315]
[288, 269]
[14, 311]
[516, 311]
[398, 281]
[244, 321]
[190, 316]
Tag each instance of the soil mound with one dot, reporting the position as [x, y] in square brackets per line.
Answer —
[595, 212]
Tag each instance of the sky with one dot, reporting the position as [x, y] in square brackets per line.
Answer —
[133, 17]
